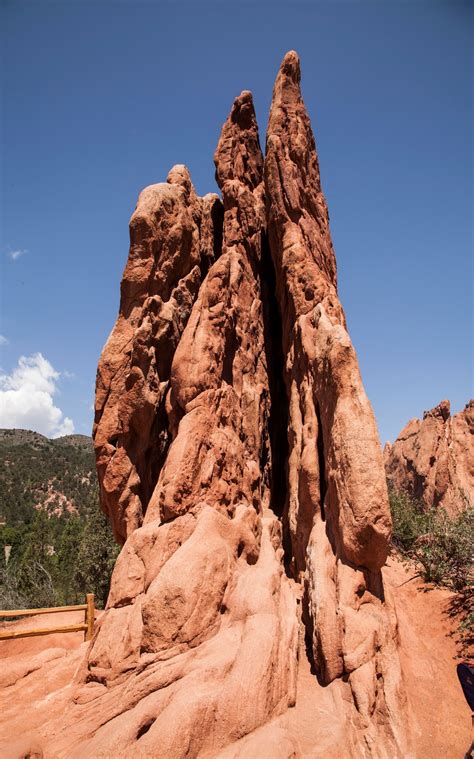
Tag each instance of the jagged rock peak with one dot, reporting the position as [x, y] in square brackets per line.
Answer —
[336, 516]
[179, 174]
[432, 458]
[238, 154]
[297, 212]
[321, 363]
[442, 410]
[218, 375]
[289, 72]
[243, 111]
[174, 238]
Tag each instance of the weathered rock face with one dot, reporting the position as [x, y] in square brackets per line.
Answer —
[219, 386]
[335, 457]
[174, 237]
[231, 421]
[433, 459]
[337, 511]
[200, 612]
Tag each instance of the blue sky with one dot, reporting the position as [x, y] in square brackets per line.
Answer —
[101, 99]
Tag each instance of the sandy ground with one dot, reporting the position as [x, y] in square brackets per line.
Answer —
[429, 656]
[36, 676]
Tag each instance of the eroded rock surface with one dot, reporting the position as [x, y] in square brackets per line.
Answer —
[239, 463]
[433, 458]
[174, 237]
[219, 382]
[40, 685]
[198, 645]
[337, 511]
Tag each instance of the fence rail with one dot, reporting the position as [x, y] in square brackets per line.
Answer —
[87, 627]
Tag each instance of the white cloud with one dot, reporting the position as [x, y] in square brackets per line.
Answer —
[14, 254]
[26, 398]
[3, 340]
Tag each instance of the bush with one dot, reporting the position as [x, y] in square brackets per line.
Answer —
[10, 595]
[409, 521]
[441, 547]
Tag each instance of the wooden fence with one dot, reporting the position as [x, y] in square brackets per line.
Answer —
[87, 626]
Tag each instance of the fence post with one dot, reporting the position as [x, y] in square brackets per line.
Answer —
[89, 620]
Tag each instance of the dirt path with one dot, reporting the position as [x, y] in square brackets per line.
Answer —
[429, 657]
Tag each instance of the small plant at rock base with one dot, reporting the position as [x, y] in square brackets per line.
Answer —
[441, 547]
[409, 521]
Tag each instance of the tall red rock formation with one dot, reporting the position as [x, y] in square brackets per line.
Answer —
[337, 511]
[433, 459]
[335, 457]
[198, 646]
[239, 461]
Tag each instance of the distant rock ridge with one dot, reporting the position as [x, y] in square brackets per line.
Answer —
[432, 459]
[16, 436]
[240, 466]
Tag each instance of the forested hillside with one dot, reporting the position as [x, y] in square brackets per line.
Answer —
[55, 544]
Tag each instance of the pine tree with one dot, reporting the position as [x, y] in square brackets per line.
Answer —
[68, 551]
[37, 569]
[96, 558]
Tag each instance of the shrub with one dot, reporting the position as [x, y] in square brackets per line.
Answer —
[409, 521]
[441, 547]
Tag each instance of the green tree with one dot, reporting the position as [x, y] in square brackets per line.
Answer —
[37, 569]
[67, 555]
[96, 558]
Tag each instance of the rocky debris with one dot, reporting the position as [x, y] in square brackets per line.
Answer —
[55, 502]
[239, 461]
[433, 459]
